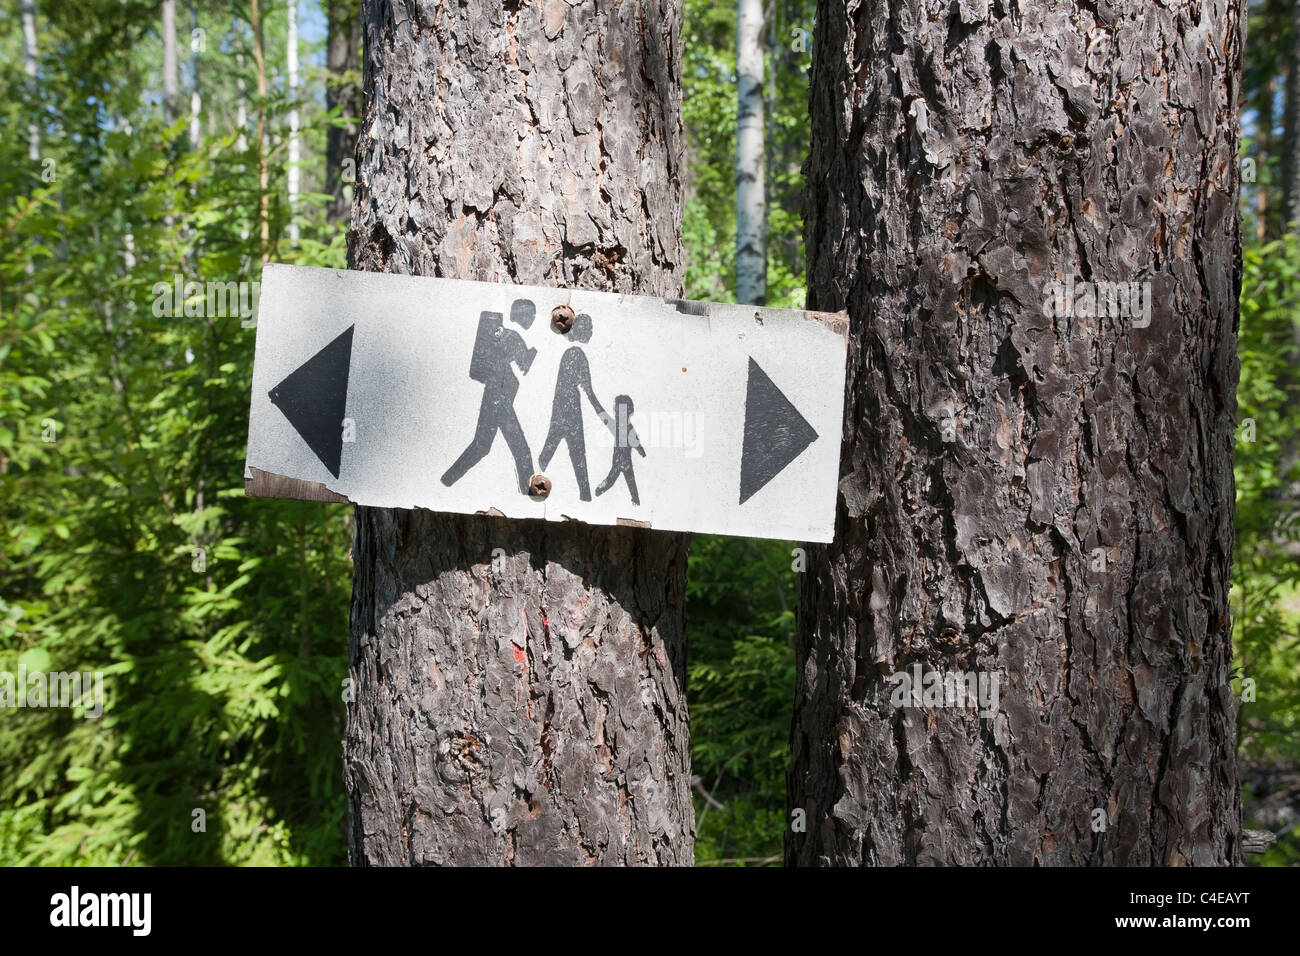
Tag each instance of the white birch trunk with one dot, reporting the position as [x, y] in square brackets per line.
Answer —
[241, 105]
[171, 76]
[29, 66]
[196, 92]
[751, 211]
[294, 144]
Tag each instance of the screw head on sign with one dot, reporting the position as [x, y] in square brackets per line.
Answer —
[539, 486]
[562, 318]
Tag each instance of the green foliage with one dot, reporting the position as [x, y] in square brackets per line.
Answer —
[218, 622]
[740, 625]
[709, 114]
[1266, 593]
[1268, 37]
[1266, 573]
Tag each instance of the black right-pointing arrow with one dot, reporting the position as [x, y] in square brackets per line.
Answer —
[314, 398]
[775, 433]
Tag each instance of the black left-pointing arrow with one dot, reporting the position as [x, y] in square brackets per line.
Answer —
[314, 398]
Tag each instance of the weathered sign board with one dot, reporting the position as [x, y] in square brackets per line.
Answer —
[481, 398]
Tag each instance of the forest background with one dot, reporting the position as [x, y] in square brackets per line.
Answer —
[127, 545]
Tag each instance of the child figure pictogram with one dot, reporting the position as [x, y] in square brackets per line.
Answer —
[625, 439]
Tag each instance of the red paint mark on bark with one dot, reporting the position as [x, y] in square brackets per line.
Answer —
[520, 655]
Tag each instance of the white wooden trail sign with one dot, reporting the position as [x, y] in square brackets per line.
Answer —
[406, 392]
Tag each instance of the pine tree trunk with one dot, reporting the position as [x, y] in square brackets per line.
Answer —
[519, 686]
[1266, 20]
[751, 193]
[1265, 96]
[342, 90]
[1287, 493]
[1038, 498]
[1291, 126]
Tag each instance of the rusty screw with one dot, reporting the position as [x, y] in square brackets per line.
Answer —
[539, 486]
[562, 318]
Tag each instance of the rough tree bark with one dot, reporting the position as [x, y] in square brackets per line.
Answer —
[751, 192]
[964, 156]
[529, 709]
[342, 90]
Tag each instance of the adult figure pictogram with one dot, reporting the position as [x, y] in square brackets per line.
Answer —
[496, 348]
[572, 382]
